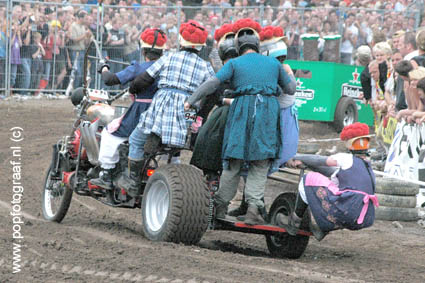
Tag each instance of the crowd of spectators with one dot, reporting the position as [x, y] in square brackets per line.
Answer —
[47, 39]
[393, 80]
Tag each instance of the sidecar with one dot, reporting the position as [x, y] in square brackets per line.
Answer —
[178, 207]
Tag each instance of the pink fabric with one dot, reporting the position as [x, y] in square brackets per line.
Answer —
[133, 98]
[115, 124]
[196, 125]
[315, 179]
[366, 200]
[144, 100]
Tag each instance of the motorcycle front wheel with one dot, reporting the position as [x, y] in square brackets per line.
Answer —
[56, 197]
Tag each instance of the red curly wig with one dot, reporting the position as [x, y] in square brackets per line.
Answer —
[193, 32]
[354, 130]
[148, 37]
[246, 23]
[269, 32]
[226, 28]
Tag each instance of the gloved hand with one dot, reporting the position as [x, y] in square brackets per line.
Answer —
[102, 64]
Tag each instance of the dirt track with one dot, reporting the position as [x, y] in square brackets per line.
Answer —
[95, 243]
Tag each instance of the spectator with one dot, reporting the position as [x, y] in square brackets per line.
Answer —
[349, 41]
[25, 53]
[2, 52]
[320, 19]
[61, 58]
[378, 36]
[408, 46]
[115, 46]
[37, 53]
[15, 58]
[377, 88]
[413, 96]
[363, 56]
[131, 48]
[365, 33]
[402, 69]
[391, 87]
[397, 36]
[382, 52]
[51, 44]
[334, 21]
[399, 6]
[293, 41]
[420, 43]
[419, 115]
[78, 34]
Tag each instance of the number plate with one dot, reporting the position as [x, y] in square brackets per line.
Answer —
[190, 115]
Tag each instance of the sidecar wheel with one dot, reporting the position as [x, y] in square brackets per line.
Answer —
[284, 245]
[175, 205]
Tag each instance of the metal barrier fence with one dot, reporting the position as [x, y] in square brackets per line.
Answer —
[41, 42]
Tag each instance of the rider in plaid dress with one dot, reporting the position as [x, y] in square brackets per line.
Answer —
[178, 75]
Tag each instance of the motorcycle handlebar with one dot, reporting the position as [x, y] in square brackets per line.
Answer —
[115, 97]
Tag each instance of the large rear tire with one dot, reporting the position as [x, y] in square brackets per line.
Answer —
[345, 113]
[56, 197]
[175, 205]
[284, 245]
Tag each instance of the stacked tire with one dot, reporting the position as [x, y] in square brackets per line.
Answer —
[397, 200]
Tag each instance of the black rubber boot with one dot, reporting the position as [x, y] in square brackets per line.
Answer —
[131, 183]
[253, 216]
[220, 210]
[292, 222]
[105, 179]
[241, 210]
[315, 229]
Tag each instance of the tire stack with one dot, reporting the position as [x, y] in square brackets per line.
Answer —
[397, 200]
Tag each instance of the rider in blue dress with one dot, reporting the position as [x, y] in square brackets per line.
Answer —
[347, 199]
[152, 42]
[252, 132]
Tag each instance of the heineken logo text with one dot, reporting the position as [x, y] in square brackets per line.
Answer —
[351, 91]
[305, 94]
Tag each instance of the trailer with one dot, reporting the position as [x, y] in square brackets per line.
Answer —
[330, 92]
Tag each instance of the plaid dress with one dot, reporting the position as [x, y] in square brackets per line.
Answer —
[179, 75]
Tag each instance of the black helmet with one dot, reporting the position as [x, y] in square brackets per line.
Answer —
[77, 95]
[227, 48]
[247, 38]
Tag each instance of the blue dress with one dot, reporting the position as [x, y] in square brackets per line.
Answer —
[131, 117]
[253, 124]
[332, 211]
